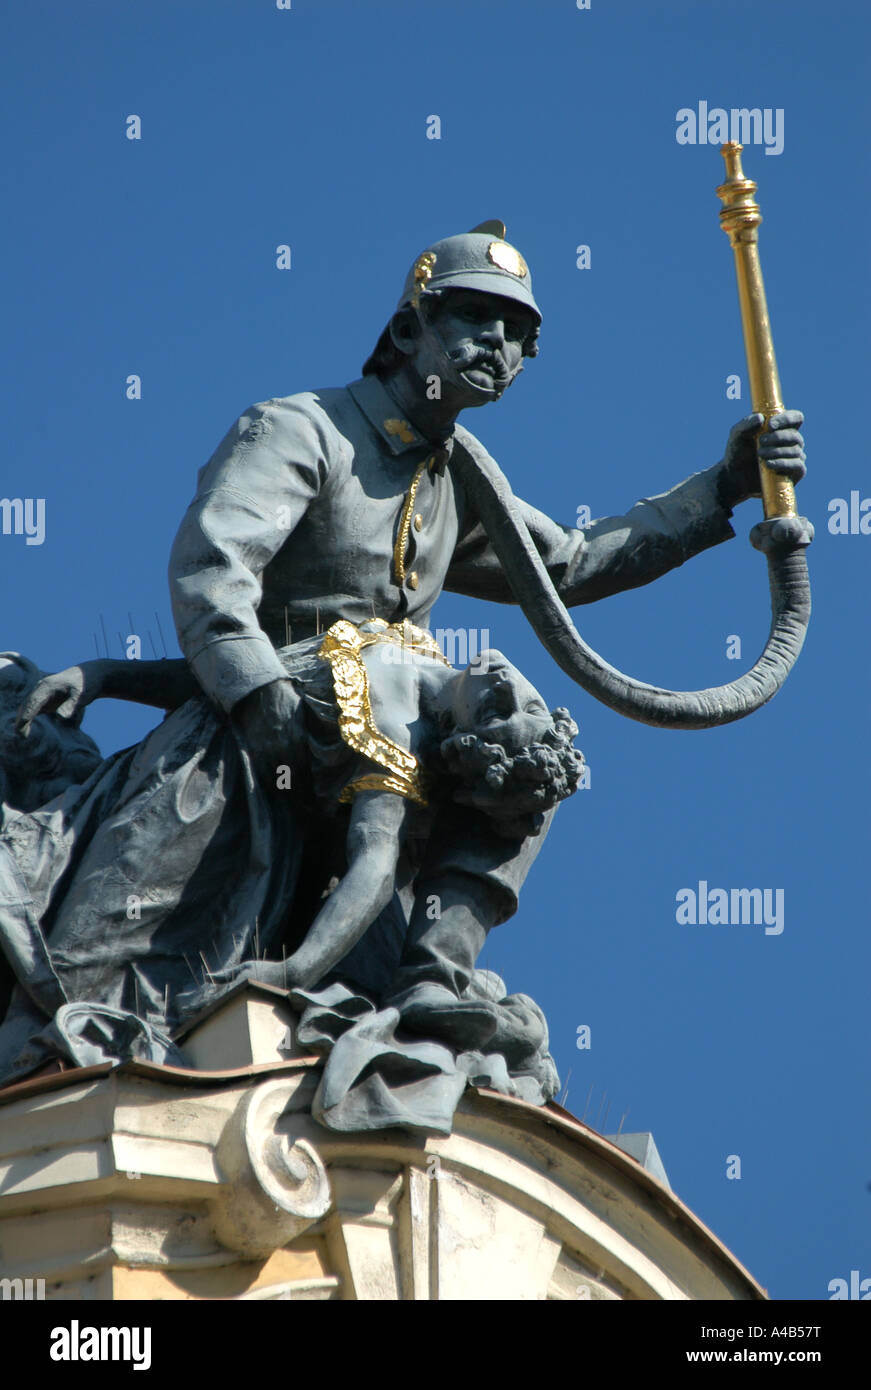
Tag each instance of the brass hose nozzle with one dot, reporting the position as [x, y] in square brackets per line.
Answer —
[740, 218]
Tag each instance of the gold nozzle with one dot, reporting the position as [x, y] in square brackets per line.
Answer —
[740, 215]
[740, 218]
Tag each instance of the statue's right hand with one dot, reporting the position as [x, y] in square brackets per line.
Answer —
[266, 718]
[66, 693]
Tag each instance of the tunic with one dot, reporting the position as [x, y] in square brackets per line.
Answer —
[328, 505]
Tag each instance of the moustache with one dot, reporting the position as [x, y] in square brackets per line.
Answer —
[467, 356]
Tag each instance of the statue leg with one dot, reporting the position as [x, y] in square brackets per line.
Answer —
[451, 917]
[468, 883]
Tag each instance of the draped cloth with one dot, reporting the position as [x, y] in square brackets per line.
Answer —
[131, 901]
[129, 893]
[376, 1076]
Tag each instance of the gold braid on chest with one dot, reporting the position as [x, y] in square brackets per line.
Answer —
[342, 647]
[404, 531]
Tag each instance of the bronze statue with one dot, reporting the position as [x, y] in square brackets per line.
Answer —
[328, 806]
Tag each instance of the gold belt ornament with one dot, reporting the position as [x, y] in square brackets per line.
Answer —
[342, 647]
[404, 634]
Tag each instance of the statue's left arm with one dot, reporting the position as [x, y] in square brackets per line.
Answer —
[163, 684]
[656, 535]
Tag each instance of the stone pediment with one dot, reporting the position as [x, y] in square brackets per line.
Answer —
[141, 1181]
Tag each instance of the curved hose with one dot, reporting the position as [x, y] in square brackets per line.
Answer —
[782, 539]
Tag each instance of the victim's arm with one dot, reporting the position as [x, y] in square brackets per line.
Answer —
[163, 684]
[375, 834]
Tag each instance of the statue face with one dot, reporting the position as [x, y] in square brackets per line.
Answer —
[484, 334]
[493, 700]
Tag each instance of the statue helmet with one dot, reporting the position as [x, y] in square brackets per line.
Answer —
[477, 260]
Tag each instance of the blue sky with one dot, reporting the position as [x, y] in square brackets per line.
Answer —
[308, 127]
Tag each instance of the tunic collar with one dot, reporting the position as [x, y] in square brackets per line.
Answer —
[383, 414]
